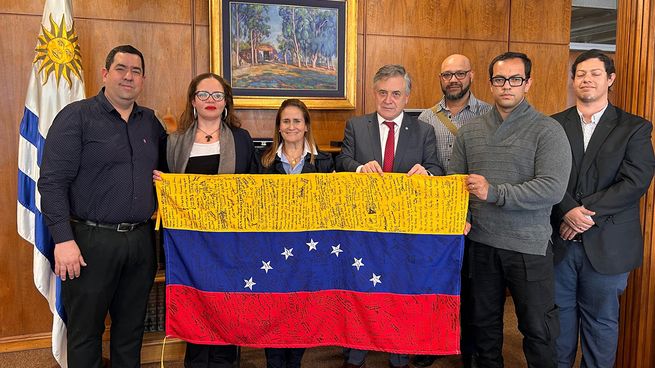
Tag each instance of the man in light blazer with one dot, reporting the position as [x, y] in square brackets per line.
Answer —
[388, 140]
[596, 228]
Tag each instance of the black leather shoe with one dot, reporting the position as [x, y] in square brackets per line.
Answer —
[423, 360]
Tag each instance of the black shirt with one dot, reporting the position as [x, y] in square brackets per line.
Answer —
[97, 167]
[206, 165]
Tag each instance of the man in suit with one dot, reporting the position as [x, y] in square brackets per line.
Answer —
[596, 228]
[410, 146]
[388, 140]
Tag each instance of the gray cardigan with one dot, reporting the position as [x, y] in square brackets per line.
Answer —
[527, 161]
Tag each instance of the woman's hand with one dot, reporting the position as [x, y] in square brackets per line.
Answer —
[156, 175]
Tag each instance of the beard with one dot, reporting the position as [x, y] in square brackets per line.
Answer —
[456, 96]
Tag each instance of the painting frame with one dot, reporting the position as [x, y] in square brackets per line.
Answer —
[245, 98]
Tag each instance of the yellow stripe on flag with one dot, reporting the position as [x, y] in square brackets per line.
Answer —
[341, 201]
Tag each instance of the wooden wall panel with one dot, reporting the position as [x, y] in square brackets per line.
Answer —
[549, 72]
[635, 93]
[202, 12]
[154, 11]
[25, 7]
[464, 19]
[202, 50]
[167, 66]
[20, 299]
[541, 21]
[422, 58]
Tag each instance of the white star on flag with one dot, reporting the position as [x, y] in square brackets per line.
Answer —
[375, 279]
[287, 253]
[249, 284]
[266, 266]
[336, 250]
[312, 245]
[358, 263]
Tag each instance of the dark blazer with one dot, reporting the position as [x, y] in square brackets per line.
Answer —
[609, 179]
[417, 144]
[323, 163]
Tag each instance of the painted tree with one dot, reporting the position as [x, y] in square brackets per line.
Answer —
[323, 28]
[292, 20]
[258, 27]
[329, 37]
[239, 16]
[285, 48]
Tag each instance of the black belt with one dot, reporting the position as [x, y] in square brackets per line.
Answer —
[577, 238]
[123, 227]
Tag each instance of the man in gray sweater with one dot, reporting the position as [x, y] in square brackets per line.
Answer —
[518, 161]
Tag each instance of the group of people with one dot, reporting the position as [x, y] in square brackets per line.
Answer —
[554, 204]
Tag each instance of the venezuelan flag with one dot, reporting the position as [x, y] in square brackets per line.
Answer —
[346, 259]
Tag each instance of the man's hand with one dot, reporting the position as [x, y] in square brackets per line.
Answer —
[418, 170]
[156, 175]
[372, 167]
[579, 219]
[467, 228]
[566, 232]
[68, 260]
[478, 186]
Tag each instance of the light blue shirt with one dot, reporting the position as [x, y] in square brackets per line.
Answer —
[301, 162]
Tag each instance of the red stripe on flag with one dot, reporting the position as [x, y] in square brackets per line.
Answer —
[399, 323]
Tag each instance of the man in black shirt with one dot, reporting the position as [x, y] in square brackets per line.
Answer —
[97, 198]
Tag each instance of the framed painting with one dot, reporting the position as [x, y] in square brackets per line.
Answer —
[271, 50]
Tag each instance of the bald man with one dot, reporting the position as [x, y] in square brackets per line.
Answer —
[457, 106]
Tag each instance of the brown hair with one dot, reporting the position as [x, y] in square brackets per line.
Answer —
[269, 156]
[187, 118]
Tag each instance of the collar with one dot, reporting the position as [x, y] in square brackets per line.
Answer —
[595, 117]
[398, 120]
[104, 102]
[306, 150]
[473, 104]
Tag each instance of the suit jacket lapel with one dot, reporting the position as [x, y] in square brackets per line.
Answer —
[603, 129]
[405, 132]
[574, 132]
[374, 137]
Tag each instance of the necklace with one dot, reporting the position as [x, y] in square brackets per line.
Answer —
[292, 160]
[207, 135]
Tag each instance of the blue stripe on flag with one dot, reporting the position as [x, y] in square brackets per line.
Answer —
[29, 129]
[407, 263]
[26, 192]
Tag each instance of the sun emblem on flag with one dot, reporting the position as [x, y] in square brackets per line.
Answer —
[59, 52]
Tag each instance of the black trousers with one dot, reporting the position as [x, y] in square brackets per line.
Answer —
[530, 281]
[284, 358]
[117, 279]
[210, 356]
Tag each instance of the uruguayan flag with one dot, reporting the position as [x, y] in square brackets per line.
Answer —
[55, 81]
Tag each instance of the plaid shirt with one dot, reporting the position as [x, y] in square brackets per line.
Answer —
[445, 138]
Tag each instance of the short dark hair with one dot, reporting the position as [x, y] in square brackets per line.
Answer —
[594, 54]
[527, 63]
[393, 70]
[126, 49]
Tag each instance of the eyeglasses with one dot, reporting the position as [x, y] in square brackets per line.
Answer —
[461, 74]
[499, 81]
[204, 95]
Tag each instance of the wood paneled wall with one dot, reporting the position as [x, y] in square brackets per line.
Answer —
[635, 92]
[174, 37]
